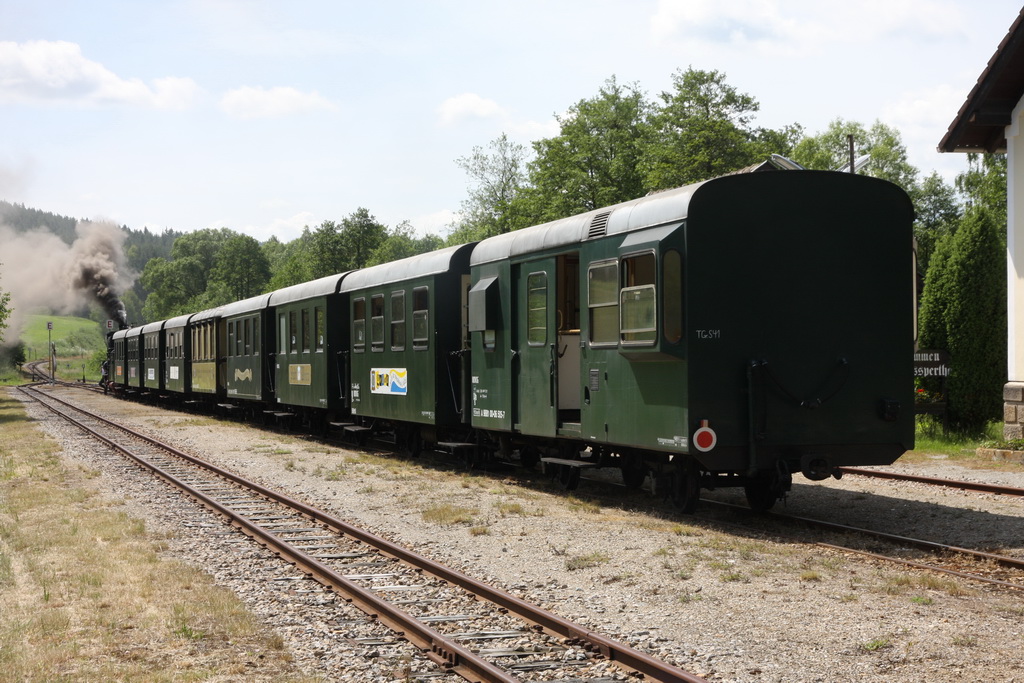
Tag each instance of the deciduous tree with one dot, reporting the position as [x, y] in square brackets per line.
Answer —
[241, 267]
[594, 161]
[497, 175]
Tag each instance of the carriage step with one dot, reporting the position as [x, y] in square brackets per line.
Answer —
[454, 445]
[228, 406]
[355, 429]
[340, 425]
[569, 463]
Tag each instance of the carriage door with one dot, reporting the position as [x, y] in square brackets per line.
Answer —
[536, 347]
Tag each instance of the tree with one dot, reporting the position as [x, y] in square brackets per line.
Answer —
[178, 285]
[984, 184]
[326, 251]
[594, 161]
[401, 242]
[361, 234]
[963, 310]
[704, 128]
[496, 178]
[241, 267]
[172, 285]
[293, 262]
[830, 150]
[937, 213]
[5, 311]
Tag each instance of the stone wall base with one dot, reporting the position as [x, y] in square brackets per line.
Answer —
[1013, 410]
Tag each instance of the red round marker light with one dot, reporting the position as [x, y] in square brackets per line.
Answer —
[705, 438]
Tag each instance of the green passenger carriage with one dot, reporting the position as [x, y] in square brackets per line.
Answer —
[308, 363]
[407, 331]
[133, 358]
[248, 374]
[119, 358]
[153, 356]
[207, 332]
[177, 349]
[727, 333]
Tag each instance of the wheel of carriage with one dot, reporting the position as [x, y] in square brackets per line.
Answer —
[763, 491]
[528, 457]
[411, 440]
[569, 477]
[634, 473]
[685, 485]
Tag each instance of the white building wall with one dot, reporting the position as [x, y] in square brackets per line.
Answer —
[1013, 394]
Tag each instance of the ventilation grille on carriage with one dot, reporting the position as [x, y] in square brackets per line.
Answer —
[598, 225]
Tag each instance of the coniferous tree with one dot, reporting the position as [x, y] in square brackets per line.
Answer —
[963, 311]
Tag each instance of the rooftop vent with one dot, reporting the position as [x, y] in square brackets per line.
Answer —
[598, 225]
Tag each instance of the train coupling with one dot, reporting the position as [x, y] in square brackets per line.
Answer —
[818, 468]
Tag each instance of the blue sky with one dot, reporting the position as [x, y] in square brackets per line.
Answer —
[265, 116]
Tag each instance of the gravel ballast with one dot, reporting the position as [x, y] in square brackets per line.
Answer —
[721, 600]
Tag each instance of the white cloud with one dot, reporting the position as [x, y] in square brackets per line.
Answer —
[56, 71]
[922, 116]
[535, 130]
[434, 223]
[467, 105]
[285, 229]
[801, 27]
[259, 103]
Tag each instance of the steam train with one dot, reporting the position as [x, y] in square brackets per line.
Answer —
[732, 332]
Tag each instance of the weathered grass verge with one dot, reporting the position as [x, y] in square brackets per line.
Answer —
[85, 594]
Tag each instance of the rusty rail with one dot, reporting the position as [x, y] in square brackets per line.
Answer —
[934, 481]
[436, 646]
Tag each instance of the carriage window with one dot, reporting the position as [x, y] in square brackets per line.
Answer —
[247, 350]
[637, 299]
[282, 343]
[421, 318]
[306, 330]
[231, 337]
[318, 317]
[293, 332]
[377, 322]
[398, 321]
[359, 325]
[536, 308]
[603, 303]
[672, 296]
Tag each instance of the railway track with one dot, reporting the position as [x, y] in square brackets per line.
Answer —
[974, 565]
[981, 487]
[464, 626]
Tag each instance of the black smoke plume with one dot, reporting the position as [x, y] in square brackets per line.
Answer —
[45, 275]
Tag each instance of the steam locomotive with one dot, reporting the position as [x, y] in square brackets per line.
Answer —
[732, 332]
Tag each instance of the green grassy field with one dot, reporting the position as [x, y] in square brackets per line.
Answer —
[79, 342]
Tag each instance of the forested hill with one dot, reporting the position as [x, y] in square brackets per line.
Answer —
[22, 219]
[140, 245]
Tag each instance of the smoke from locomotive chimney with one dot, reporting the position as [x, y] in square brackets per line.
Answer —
[45, 274]
[96, 263]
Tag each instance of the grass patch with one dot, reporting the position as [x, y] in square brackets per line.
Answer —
[85, 594]
[930, 443]
[506, 509]
[876, 645]
[965, 641]
[586, 561]
[448, 514]
[579, 505]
